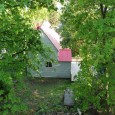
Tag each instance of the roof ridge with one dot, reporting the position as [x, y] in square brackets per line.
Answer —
[50, 37]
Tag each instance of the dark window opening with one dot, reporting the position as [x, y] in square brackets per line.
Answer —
[48, 64]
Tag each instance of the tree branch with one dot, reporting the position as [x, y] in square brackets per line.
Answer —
[103, 10]
[13, 55]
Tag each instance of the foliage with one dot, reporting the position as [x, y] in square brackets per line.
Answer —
[17, 39]
[88, 28]
[54, 18]
[37, 15]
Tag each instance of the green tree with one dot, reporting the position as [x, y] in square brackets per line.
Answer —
[89, 27]
[54, 18]
[17, 39]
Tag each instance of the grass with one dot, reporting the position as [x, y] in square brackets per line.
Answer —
[42, 95]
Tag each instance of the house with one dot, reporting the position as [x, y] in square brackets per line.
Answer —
[62, 65]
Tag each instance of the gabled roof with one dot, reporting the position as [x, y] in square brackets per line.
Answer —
[64, 55]
[51, 34]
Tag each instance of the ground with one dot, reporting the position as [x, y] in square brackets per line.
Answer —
[43, 95]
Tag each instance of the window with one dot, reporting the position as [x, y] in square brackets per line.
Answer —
[48, 64]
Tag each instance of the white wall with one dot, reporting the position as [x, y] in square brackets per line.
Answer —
[75, 67]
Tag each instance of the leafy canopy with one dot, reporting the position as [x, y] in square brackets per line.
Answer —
[18, 38]
[88, 28]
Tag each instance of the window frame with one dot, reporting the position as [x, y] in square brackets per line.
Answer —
[48, 64]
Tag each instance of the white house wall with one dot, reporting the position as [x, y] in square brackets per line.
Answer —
[75, 68]
[58, 69]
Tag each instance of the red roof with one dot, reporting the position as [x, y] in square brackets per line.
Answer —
[64, 55]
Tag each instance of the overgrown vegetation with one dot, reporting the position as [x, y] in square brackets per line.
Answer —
[44, 96]
[18, 38]
[88, 28]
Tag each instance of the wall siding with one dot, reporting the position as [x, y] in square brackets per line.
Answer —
[48, 43]
[58, 70]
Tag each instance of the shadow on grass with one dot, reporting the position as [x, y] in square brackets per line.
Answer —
[44, 95]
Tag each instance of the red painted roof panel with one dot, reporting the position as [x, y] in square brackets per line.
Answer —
[64, 55]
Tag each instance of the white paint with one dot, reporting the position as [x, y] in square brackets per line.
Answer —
[75, 67]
